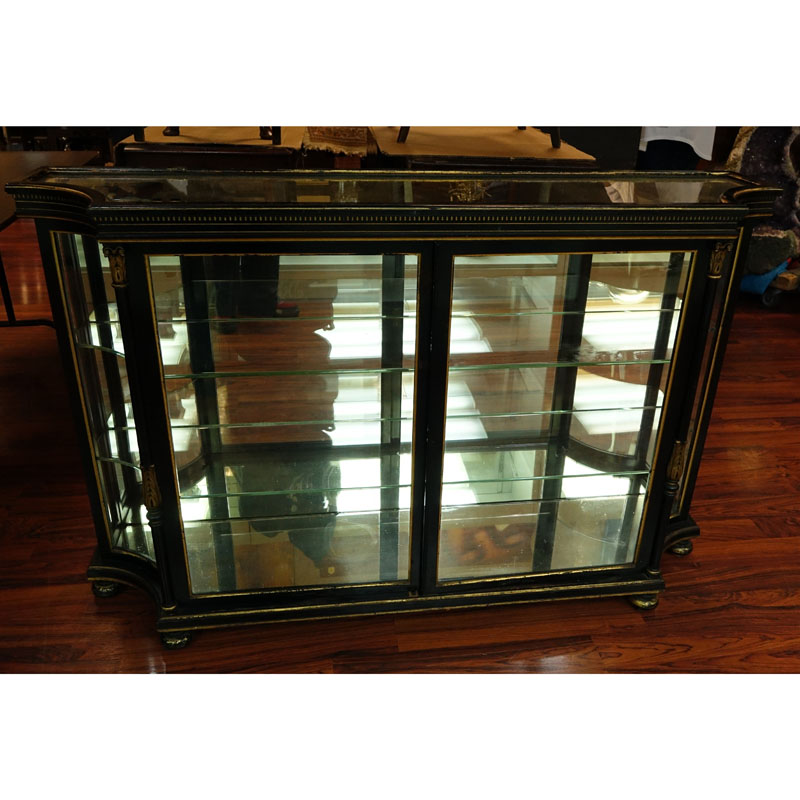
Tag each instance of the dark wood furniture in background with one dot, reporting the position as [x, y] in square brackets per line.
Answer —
[14, 166]
[216, 148]
[101, 140]
[492, 320]
[162, 150]
[612, 147]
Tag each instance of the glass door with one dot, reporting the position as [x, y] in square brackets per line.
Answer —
[556, 376]
[290, 385]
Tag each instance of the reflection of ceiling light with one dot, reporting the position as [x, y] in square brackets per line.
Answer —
[627, 297]
[594, 483]
[625, 331]
[604, 405]
[362, 338]
[196, 509]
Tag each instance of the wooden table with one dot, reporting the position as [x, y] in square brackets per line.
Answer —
[476, 147]
[14, 166]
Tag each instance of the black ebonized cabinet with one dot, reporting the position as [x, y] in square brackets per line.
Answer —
[311, 394]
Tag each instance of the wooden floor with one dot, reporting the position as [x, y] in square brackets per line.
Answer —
[733, 605]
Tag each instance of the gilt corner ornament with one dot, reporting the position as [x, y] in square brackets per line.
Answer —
[116, 262]
[721, 252]
[677, 462]
[151, 494]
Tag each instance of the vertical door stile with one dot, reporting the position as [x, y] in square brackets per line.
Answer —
[421, 410]
[138, 322]
[194, 273]
[575, 297]
[442, 259]
[392, 305]
[654, 377]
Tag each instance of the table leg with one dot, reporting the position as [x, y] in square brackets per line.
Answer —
[12, 321]
[9, 305]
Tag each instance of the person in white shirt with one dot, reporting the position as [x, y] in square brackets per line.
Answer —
[669, 148]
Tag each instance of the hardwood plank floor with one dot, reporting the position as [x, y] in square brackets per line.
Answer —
[732, 605]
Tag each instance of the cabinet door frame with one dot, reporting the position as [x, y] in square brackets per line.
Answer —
[435, 282]
[652, 525]
[156, 424]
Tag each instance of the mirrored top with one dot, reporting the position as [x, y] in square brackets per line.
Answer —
[131, 187]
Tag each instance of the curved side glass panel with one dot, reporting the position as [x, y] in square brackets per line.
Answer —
[290, 382]
[557, 374]
[101, 367]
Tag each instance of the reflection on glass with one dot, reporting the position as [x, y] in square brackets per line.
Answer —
[294, 551]
[554, 400]
[291, 380]
[364, 190]
[100, 355]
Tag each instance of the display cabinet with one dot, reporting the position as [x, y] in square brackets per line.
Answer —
[326, 394]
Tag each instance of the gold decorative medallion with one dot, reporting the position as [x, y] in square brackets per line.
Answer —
[116, 261]
[721, 252]
[468, 191]
[151, 494]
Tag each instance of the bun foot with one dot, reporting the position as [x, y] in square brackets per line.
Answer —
[174, 641]
[682, 548]
[105, 588]
[644, 601]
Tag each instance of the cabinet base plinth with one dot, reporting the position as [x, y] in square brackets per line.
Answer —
[644, 601]
[105, 588]
[177, 640]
